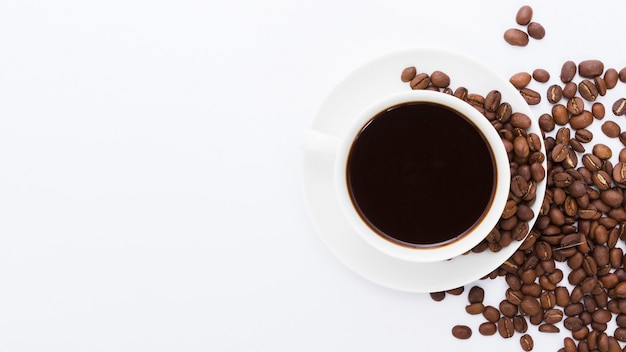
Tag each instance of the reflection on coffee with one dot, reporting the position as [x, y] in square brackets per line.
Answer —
[420, 174]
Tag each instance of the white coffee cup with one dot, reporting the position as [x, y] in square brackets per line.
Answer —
[338, 147]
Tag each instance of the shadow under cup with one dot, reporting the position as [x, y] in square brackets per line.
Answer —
[421, 175]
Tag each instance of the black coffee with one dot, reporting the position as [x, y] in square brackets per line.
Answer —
[420, 174]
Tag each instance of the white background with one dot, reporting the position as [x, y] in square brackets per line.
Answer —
[150, 186]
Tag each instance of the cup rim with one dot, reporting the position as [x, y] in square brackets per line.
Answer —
[447, 250]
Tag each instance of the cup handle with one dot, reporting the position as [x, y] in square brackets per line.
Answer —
[320, 142]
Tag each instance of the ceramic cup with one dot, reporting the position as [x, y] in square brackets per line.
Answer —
[339, 148]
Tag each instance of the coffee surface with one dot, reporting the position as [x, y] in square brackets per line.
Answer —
[420, 174]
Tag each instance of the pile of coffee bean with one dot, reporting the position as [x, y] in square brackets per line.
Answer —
[518, 37]
[570, 270]
[523, 149]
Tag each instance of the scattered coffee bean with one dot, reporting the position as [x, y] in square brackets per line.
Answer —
[420, 81]
[491, 314]
[532, 97]
[439, 79]
[456, 291]
[554, 94]
[462, 332]
[438, 296]
[611, 129]
[476, 295]
[588, 90]
[541, 75]
[549, 328]
[527, 342]
[524, 15]
[622, 75]
[516, 37]
[619, 107]
[568, 71]
[536, 30]
[611, 77]
[474, 308]
[487, 328]
[505, 327]
[408, 74]
[590, 68]
[520, 80]
[597, 110]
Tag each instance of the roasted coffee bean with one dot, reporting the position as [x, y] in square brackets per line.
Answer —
[573, 309]
[597, 110]
[514, 282]
[572, 323]
[461, 93]
[505, 327]
[612, 197]
[602, 151]
[543, 249]
[514, 296]
[622, 75]
[620, 290]
[520, 120]
[474, 308]
[559, 152]
[584, 135]
[620, 320]
[516, 37]
[620, 334]
[492, 102]
[541, 75]
[508, 309]
[524, 15]
[519, 324]
[575, 106]
[529, 306]
[582, 120]
[587, 90]
[462, 332]
[520, 80]
[611, 77]
[568, 71]
[619, 174]
[549, 328]
[476, 294]
[504, 112]
[580, 333]
[619, 107]
[569, 90]
[536, 31]
[408, 74]
[600, 85]
[526, 341]
[556, 276]
[546, 123]
[439, 79]
[519, 186]
[560, 114]
[487, 328]
[563, 135]
[532, 97]
[592, 162]
[491, 314]
[553, 316]
[554, 94]
[611, 129]
[420, 81]
[590, 68]
[601, 316]
[437, 296]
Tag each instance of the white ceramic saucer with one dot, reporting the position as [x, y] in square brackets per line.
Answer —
[369, 83]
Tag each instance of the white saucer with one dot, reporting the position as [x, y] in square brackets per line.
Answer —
[368, 83]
